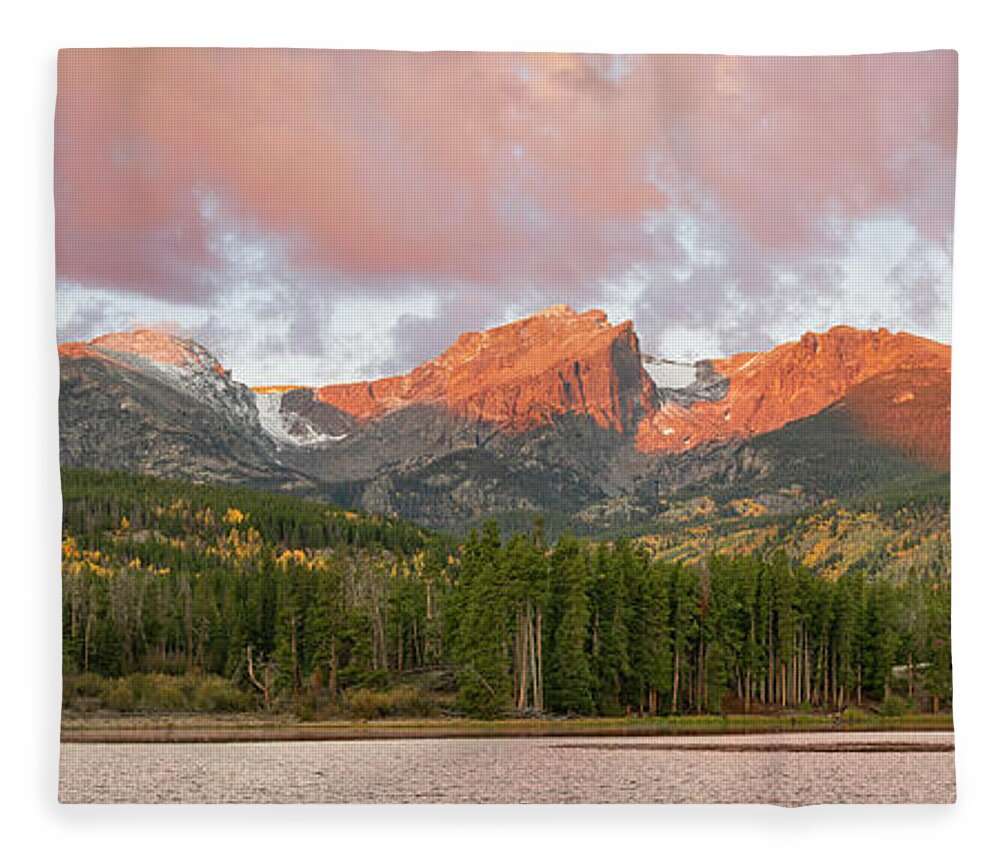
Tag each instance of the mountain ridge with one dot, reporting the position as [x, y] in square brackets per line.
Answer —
[559, 410]
[768, 390]
[511, 376]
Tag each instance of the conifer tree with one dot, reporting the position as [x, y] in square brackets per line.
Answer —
[569, 681]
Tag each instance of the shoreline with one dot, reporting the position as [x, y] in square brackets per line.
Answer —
[191, 728]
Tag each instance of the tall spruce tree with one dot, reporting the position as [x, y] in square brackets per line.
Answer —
[484, 674]
[569, 680]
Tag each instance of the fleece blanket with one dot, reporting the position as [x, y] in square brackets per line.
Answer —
[505, 428]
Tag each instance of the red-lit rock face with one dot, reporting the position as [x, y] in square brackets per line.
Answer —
[144, 343]
[907, 410]
[895, 387]
[77, 349]
[768, 390]
[521, 375]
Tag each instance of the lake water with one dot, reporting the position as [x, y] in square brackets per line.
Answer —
[790, 769]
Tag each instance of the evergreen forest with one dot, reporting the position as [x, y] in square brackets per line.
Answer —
[185, 597]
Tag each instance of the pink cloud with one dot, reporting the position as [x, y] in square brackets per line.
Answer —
[480, 167]
[783, 141]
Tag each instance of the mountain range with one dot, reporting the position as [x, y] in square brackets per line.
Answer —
[560, 413]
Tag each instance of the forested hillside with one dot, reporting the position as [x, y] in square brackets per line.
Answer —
[190, 597]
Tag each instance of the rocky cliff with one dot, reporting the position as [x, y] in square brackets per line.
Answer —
[149, 402]
[522, 375]
[768, 390]
[559, 412]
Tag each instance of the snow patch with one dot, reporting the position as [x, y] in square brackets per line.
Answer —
[670, 374]
[278, 425]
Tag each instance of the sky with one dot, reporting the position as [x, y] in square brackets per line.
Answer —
[322, 216]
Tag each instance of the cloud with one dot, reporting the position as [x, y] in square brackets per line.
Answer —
[376, 163]
[785, 142]
[269, 200]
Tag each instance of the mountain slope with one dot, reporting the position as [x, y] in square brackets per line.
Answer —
[151, 403]
[521, 375]
[558, 413]
[908, 411]
[768, 390]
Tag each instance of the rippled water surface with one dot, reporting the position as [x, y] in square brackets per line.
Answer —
[788, 769]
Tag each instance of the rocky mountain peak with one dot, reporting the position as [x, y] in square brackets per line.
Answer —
[556, 411]
[768, 390]
[179, 363]
[522, 375]
[146, 345]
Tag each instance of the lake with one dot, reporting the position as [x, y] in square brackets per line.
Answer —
[786, 769]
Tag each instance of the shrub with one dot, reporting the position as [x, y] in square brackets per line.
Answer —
[893, 706]
[217, 694]
[158, 692]
[120, 697]
[365, 704]
[88, 684]
[154, 692]
[84, 692]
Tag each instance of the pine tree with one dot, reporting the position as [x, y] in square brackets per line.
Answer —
[609, 627]
[484, 675]
[569, 680]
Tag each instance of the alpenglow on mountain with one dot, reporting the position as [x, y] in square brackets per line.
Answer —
[557, 413]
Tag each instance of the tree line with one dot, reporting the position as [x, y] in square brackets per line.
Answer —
[294, 600]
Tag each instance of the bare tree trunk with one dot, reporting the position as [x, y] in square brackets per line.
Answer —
[333, 667]
[525, 670]
[296, 673]
[807, 680]
[264, 687]
[399, 647]
[86, 644]
[532, 666]
[538, 647]
[189, 628]
[793, 689]
[380, 656]
[770, 659]
[704, 676]
[677, 678]
[826, 675]
[520, 662]
[535, 657]
[527, 656]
